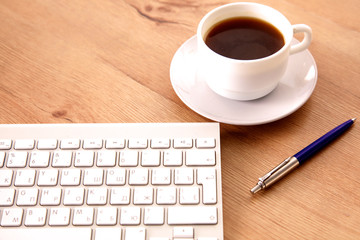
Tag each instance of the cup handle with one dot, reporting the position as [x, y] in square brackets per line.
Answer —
[304, 44]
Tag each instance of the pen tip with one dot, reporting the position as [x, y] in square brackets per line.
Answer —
[255, 189]
[354, 119]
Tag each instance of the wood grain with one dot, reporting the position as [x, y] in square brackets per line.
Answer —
[108, 61]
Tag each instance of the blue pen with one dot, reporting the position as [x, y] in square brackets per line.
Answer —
[299, 158]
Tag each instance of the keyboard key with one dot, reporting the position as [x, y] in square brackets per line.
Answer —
[173, 158]
[189, 195]
[184, 176]
[46, 233]
[39, 159]
[2, 158]
[205, 142]
[130, 216]
[203, 157]
[62, 159]
[7, 196]
[35, 217]
[110, 233]
[135, 233]
[143, 195]
[17, 159]
[92, 144]
[47, 144]
[138, 176]
[73, 196]
[24, 144]
[166, 195]
[137, 143]
[183, 232]
[154, 216]
[192, 215]
[207, 178]
[106, 159]
[120, 196]
[27, 197]
[25, 177]
[84, 159]
[48, 177]
[70, 144]
[59, 217]
[5, 178]
[11, 217]
[93, 177]
[50, 197]
[5, 144]
[183, 143]
[128, 159]
[160, 143]
[70, 177]
[106, 216]
[116, 177]
[161, 176]
[117, 143]
[97, 196]
[150, 158]
[83, 216]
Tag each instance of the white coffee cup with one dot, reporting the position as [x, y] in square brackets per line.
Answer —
[247, 79]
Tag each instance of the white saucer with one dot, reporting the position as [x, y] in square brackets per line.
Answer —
[292, 92]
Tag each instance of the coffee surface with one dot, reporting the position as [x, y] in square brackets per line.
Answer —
[244, 38]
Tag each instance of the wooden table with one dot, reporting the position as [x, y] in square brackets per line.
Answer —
[108, 61]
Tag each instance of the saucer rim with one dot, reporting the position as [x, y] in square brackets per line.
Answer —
[238, 121]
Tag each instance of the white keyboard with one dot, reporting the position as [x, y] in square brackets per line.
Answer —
[152, 181]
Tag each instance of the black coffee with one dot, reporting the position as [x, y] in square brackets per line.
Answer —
[244, 38]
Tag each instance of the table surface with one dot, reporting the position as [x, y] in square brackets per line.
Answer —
[108, 61]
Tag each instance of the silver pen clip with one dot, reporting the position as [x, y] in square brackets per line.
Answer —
[269, 174]
[275, 174]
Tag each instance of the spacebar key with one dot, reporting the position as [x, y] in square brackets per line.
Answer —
[192, 215]
[45, 233]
